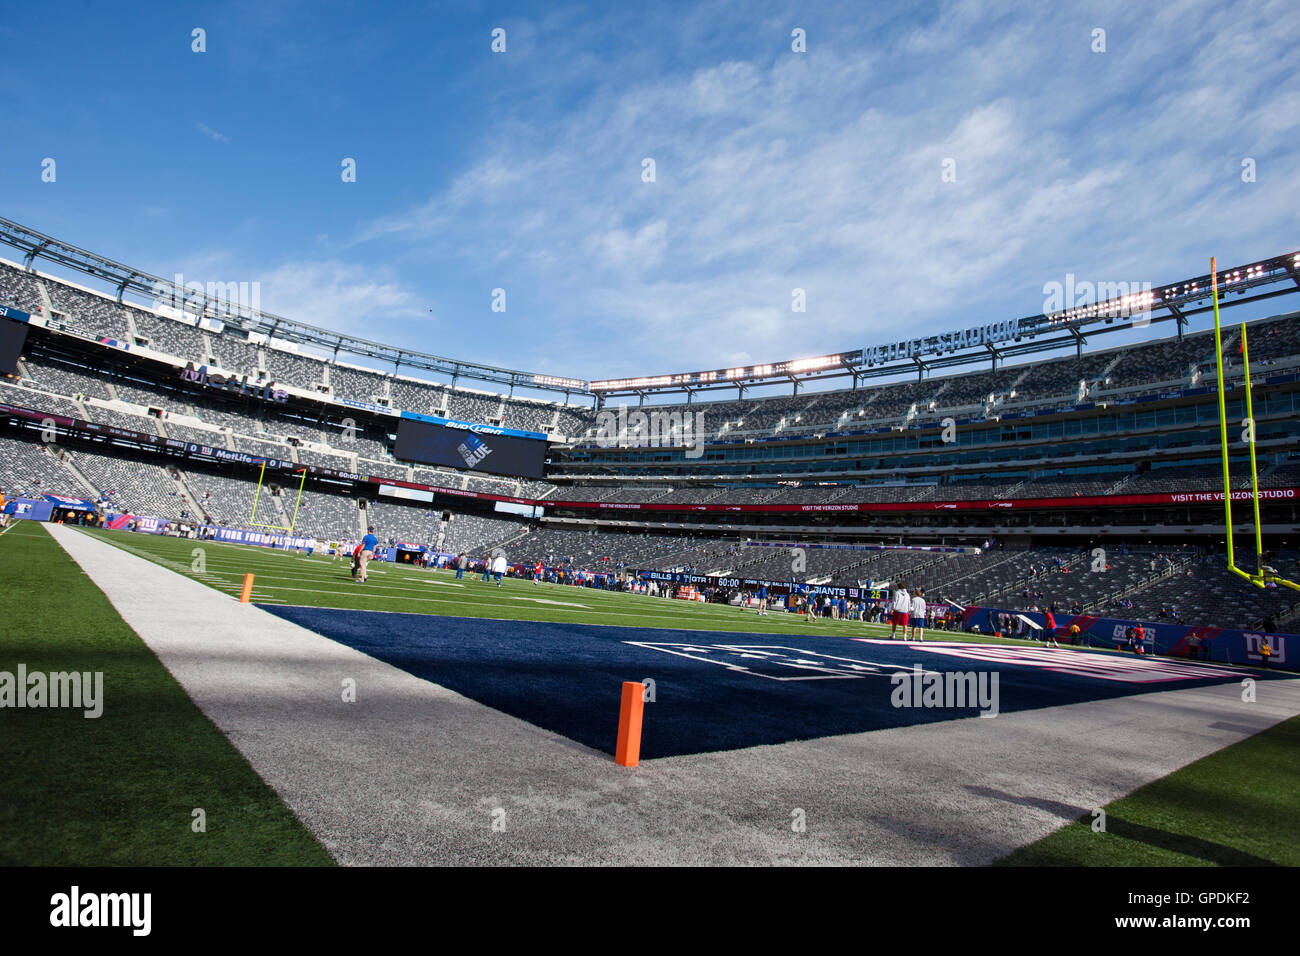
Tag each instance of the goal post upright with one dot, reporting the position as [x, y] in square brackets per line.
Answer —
[1254, 474]
[297, 504]
[257, 496]
[252, 520]
[1223, 425]
[1260, 578]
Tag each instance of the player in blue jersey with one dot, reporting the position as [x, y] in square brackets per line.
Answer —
[368, 545]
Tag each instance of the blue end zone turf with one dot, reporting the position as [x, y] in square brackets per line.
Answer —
[718, 690]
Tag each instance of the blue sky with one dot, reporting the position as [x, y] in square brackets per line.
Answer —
[775, 170]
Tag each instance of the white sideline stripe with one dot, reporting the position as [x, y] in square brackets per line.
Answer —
[506, 597]
[411, 773]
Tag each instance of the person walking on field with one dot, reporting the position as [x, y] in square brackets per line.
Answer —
[368, 545]
[902, 607]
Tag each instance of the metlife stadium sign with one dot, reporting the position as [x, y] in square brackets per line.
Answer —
[876, 355]
[944, 342]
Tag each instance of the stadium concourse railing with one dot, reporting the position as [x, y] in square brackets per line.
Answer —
[1008, 557]
[1029, 579]
[1103, 603]
[1287, 615]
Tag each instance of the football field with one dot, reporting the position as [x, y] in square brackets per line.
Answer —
[399, 721]
[288, 578]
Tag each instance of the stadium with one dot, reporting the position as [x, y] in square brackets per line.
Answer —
[157, 431]
[1009, 590]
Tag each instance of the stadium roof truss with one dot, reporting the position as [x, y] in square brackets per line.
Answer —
[1045, 332]
[124, 279]
[995, 343]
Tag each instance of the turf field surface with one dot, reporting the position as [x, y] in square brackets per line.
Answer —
[320, 581]
[1237, 807]
[121, 788]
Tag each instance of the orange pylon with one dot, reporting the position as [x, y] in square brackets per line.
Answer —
[627, 752]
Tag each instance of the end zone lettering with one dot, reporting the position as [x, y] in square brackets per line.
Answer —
[200, 375]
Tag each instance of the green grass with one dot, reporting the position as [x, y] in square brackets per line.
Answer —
[287, 578]
[1236, 807]
[119, 789]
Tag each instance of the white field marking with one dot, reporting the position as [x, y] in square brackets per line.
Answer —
[388, 587]
[820, 666]
[507, 597]
[1112, 667]
[261, 576]
[378, 587]
[457, 603]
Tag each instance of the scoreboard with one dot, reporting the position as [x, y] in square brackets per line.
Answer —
[465, 449]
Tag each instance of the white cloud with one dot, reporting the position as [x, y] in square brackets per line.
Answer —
[346, 298]
[621, 249]
[724, 88]
[211, 133]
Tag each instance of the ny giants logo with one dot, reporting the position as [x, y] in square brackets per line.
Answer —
[473, 450]
[1275, 641]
